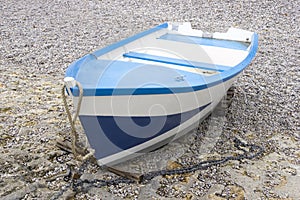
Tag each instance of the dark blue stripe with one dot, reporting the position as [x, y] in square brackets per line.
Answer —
[175, 61]
[128, 132]
[206, 41]
[139, 91]
[109, 48]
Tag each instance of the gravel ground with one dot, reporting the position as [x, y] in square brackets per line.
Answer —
[39, 39]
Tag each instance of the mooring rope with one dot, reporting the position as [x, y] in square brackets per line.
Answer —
[72, 121]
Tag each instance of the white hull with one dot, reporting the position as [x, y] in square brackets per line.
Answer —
[96, 106]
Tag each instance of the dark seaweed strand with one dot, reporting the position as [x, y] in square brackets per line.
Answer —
[79, 185]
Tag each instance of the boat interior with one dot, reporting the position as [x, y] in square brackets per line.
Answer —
[184, 48]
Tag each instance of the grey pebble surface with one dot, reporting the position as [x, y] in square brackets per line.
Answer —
[40, 38]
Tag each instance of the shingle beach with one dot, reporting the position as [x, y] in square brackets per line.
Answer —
[39, 39]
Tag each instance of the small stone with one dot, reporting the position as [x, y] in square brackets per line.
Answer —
[173, 165]
[5, 109]
[215, 197]
[76, 176]
[235, 191]
[188, 196]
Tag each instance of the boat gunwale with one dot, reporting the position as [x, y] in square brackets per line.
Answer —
[209, 81]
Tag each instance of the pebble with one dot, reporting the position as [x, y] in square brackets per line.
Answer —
[39, 39]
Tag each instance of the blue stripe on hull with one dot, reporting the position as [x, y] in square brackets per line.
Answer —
[206, 41]
[112, 134]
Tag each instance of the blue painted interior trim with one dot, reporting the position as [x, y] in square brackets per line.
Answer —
[74, 67]
[202, 83]
[140, 132]
[111, 47]
[205, 41]
[175, 61]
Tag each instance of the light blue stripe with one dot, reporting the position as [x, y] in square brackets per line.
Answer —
[176, 61]
[205, 41]
[109, 48]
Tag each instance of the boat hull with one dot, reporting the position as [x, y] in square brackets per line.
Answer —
[117, 137]
[152, 88]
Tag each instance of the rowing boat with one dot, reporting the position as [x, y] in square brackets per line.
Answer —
[152, 88]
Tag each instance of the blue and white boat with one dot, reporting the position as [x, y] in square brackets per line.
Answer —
[152, 88]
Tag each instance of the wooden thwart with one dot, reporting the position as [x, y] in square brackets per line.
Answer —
[66, 145]
[132, 176]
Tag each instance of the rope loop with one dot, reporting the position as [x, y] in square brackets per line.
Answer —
[73, 120]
